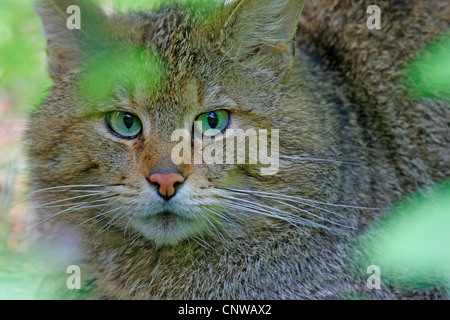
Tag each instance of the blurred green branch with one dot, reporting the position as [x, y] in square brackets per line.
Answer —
[428, 74]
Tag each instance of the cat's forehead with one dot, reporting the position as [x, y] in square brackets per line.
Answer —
[157, 65]
[177, 37]
[164, 64]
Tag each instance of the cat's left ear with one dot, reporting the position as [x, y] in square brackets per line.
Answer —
[261, 33]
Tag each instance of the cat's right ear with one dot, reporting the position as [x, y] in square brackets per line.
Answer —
[69, 41]
[261, 33]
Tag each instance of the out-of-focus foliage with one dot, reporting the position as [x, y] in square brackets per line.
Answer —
[23, 77]
[22, 277]
[199, 8]
[34, 274]
[131, 67]
[428, 75]
[127, 5]
[411, 245]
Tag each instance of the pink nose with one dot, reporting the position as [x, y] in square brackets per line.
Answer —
[166, 182]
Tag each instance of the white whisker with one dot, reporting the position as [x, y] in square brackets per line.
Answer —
[315, 159]
[214, 227]
[308, 212]
[71, 198]
[252, 192]
[287, 217]
[96, 216]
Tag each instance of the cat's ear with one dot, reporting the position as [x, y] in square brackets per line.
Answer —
[261, 33]
[74, 29]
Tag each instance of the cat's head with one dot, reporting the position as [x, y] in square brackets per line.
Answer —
[107, 146]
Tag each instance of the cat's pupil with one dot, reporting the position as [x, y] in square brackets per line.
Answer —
[213, 121]
[128, 120]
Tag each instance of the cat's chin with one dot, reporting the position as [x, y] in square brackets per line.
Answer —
[167, 228]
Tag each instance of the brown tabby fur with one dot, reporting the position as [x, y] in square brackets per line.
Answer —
[338, 97]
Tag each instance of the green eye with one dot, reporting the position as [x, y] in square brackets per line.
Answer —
[123, 124]
[212, 122]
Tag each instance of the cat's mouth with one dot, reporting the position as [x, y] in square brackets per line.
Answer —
[165, 218]
[166, 214]
[166, 227]
[169, 217]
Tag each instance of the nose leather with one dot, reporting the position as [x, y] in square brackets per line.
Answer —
[166, 182]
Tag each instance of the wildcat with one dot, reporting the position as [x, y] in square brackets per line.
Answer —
[352, 142]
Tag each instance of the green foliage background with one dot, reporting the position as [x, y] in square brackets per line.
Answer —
[22, 55]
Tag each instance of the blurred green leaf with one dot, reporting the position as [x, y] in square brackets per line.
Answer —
[428, 75]
[131, 67]
[411, 245]
[23, 77]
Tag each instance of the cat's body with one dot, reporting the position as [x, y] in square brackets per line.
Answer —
[337, 99]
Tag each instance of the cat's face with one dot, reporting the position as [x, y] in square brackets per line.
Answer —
[104, 139]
